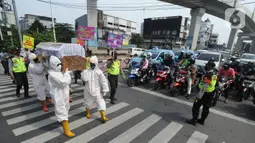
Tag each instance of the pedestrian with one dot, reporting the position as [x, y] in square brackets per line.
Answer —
[59, 89]
[108, 52]
[37, 71]
[205, 95]
[113, 69]
[96, 86]
[18, 71]
[5, 64]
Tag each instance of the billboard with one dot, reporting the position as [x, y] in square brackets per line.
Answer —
[28, 42]
[86, 32]
[126, 39]
[114, 40]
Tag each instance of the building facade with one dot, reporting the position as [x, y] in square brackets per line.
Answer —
[165, 31]
[205, 33]
[214, 38]
[10, 17]
[28, 20]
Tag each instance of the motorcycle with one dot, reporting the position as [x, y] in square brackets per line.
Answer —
[247, 88]
[222, 84]
[180, 85]
[162, 78]
[135, 77]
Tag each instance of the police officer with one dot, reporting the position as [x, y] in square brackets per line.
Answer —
[19, 73]
[207, 87]
[113, 68]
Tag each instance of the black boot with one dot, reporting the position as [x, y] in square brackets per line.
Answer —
[112, 101]
[192, 122]
[201, 121]
[187, 96]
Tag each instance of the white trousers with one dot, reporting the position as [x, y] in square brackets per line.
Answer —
[98, 100]
[62, 106]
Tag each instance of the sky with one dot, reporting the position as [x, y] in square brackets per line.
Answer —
[68, 15]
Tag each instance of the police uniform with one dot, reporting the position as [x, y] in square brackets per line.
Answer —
[113, 70]
[206, 99]
[19, 71]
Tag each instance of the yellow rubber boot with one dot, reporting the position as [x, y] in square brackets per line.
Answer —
[88, 115]
[104, 119]
[67, 132]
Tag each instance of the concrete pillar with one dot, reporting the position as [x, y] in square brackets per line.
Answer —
[252, 49]
[231, 39]
[196, 15]
[239, 44]
[92, 21]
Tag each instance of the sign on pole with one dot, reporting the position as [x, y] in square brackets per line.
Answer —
[28, 42]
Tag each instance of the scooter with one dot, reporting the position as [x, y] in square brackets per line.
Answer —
[135, 77]
[247, 88]
[162, 78]
[180, 85]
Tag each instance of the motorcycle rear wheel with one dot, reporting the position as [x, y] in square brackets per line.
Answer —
[175, 91]
[157, 85]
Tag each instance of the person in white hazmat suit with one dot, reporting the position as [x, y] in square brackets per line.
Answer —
[59, 90]
[96, 86]
[37, 71]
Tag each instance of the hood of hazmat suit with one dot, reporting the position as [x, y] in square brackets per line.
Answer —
[36, 70]
[59, 88]
[96, 82]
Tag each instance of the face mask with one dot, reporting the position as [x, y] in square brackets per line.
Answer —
[92, 65]
[59, 67]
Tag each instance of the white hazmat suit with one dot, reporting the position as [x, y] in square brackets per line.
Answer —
[37, 73]
[96, 86]
[59, 90]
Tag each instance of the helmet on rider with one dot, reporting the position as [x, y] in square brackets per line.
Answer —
[149, 55]
[250, 64]
[226, 66]
[210, 65]
[192, 62]
[144, 56]
[188, 55]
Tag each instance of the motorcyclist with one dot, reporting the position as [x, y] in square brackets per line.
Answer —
[228, 72]
[144, 65]
[182, 56]
[205, 95]
[192, 70]
[186, 61]
[149, 57]
[247, 72]
[168, 62]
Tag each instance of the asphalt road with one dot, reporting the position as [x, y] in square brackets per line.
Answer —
[139, 116]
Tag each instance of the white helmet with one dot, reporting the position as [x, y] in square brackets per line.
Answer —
[149, 54]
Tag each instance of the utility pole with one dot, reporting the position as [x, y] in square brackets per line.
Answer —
[53, 24]
[17, 22]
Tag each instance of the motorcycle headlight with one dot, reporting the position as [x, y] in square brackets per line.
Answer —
[133, 71]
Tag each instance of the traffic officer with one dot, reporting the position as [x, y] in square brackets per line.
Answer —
[205, 95]
[18, 71]
[113, 68]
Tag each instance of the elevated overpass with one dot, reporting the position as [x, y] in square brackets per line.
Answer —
[216, 8]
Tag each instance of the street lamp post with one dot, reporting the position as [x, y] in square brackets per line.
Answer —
[53, 24]
[17, 22]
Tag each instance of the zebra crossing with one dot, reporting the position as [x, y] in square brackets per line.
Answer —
[127, 123]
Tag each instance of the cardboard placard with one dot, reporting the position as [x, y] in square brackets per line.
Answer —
[73, 63]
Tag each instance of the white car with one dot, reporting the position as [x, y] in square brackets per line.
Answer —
[246, 57]
[136, 51]
[203, 58]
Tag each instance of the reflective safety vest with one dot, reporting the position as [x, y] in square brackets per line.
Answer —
[185, 62]
[114, 69]
[87, 63]
[18, 65]
[211, 86]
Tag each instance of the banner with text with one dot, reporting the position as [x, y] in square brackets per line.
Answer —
[86, 32]
[114, 40]
[28, 42]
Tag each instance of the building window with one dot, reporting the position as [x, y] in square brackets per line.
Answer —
[110, 23]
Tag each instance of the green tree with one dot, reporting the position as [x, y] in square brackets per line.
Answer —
[9, 41]
[37, 26]
[64, 32]
[137, 40]
[45, 36]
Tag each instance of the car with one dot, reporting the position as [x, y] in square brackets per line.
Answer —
[203, 58]
[157, 56]
[136, 51]
[246, 57]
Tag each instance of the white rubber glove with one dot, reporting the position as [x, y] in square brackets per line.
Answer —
[69, 72]
[104, 94]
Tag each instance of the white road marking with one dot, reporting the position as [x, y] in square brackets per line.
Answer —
[136, 130]
[99, 130]
[21, 109]
[17, 102]
[197, 137]
[36, 114]
[167, 133]
[221, 113]
[73, 125]
[14, 92]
